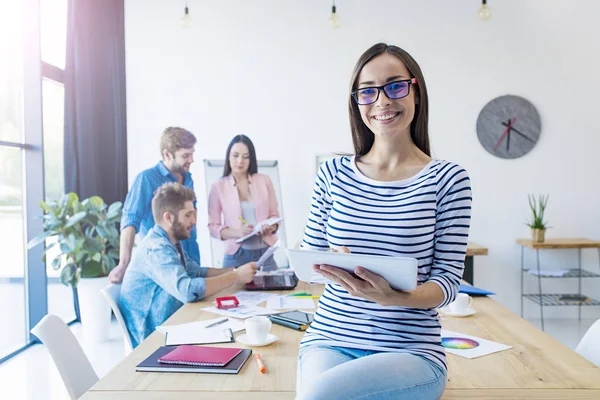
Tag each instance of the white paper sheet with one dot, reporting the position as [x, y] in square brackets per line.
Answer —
[253, 298]
[175, 337]
[482, 347]
[258, 227]
[290, 302]
[268, 253]
[234, 324]
[242, 311]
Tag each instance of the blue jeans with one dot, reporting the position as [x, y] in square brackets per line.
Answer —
[244, 256]
[329, 373]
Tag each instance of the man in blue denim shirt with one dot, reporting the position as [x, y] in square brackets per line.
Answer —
[177, 151]
[162, 276]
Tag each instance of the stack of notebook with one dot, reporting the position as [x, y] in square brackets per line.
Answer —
[188, 358]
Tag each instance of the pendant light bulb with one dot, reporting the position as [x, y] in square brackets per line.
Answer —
[334, 20]
[186, 20]
[484, 12]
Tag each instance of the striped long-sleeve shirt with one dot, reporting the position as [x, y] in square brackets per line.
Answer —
[426, 217]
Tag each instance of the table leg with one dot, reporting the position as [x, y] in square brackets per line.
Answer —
[468, 271]
[537, 256]
[579, 285]
[522, 277]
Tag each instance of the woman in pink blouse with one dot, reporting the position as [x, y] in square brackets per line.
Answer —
[238, 201]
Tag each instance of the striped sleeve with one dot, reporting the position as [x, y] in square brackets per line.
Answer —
[315, 236]
[453, 219]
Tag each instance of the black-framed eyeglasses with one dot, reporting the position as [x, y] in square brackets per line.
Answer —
[393, 90]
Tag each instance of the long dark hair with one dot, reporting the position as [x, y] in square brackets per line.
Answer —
[362, 137]
[253, 168]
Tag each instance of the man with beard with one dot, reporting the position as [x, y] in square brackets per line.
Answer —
[162, 276]
[177, 151]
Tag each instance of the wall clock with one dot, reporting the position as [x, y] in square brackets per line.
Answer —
[508, 126]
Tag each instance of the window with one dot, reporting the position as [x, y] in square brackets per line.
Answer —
[12, 272]
[53, 27]
[11, 72]
[24, 297]
[60, 297]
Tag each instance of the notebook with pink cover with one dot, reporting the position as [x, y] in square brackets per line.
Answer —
[200, 355]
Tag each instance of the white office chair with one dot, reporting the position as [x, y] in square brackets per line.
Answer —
[589, 347]
[74, 367]
[113, 295]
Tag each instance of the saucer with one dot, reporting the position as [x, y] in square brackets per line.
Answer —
[243, 339]
[465, 313]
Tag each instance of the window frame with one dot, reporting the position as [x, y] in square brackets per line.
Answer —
[32, 148]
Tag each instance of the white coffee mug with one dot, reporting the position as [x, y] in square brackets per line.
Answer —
[257, 328]
[461, 304]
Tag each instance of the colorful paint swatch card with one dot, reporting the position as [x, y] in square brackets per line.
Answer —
[469, 346]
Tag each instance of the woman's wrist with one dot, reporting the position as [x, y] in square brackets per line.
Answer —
[397, 298]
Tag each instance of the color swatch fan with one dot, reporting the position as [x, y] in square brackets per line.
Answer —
[469, 346]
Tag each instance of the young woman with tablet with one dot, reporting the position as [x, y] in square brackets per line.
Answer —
[391, 198]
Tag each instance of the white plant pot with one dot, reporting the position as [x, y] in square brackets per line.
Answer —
[94, 309]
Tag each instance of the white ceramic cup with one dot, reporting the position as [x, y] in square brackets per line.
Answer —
[461, 304]
[257, 328]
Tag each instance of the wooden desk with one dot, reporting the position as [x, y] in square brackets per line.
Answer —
[578, 243]
[537, 367]
[473, 249]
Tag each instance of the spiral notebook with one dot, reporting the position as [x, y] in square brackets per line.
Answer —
[202, 356]
[151, 363]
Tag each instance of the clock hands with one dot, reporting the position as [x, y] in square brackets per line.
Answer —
[520, 133]
[508, 135]
[506, 131]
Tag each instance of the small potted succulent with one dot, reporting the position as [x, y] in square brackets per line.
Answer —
[537, 224]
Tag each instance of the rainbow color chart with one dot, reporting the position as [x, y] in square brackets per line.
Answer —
[459, 343]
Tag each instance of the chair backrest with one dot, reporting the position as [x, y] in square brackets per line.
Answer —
[113, 295]
[74, 367]
[589, 346]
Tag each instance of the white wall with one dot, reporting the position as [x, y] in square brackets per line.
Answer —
[274, 70]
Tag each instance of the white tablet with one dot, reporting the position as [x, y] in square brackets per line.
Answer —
[400, 272]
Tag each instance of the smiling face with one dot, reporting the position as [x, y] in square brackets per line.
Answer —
[180, 161]
[386, 118]
[239, 158]
[184, 221]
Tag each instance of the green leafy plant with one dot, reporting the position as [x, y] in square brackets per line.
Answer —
[86, 233]
[538, 207]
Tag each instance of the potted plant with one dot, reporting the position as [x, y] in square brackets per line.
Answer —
[85, 244]
[538, 225]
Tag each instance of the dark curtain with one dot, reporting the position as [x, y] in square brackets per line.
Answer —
[95, 109]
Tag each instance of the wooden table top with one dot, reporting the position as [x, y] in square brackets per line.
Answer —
[577, 243]
[537, 367]
[473, 249]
